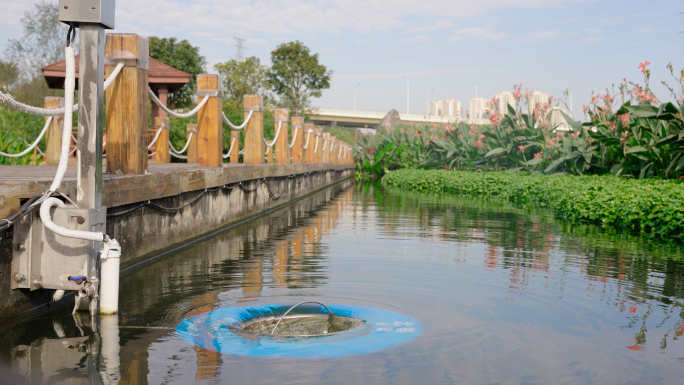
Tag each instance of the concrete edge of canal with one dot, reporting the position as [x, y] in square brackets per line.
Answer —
[147, 229]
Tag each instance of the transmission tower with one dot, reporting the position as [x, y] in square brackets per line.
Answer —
[239, 56]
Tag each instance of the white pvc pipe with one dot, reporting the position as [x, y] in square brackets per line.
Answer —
[109, 278]
[69, 87]
[63, 231]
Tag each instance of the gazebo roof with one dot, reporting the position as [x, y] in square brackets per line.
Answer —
[158, 74]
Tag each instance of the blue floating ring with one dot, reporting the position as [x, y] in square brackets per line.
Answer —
[383, 329]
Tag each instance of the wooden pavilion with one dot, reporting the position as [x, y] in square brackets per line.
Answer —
[162, 79]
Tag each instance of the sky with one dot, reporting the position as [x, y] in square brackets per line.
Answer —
[445, 48]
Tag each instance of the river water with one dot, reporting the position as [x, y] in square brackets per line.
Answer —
[503, 294]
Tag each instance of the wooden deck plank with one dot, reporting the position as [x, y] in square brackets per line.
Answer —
[164, 180]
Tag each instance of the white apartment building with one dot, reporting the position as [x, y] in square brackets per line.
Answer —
[478, 108]
[503, 100]
[449, 108]
[536, 98]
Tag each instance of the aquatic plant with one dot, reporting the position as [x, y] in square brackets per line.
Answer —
[649, 205]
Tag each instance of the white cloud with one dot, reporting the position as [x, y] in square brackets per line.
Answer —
[476, 33]
[546, 34]
[415, 39]
[645, 30]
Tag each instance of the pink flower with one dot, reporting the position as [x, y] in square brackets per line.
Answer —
[644, 65]
[521, 148]
[411, 122]
[540, 153]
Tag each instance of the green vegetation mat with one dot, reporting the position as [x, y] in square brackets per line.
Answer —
[649, 205]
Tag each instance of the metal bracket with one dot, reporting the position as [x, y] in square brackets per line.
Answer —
[42, 259]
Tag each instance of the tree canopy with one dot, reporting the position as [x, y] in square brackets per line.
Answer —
[183, 56]
[297, 76]
[242, 78]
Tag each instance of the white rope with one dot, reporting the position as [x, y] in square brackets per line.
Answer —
[40, 151]
[179, 156]
[112, 76]
[74, 150]
[9, 101]
[34, 144]
[232, 143]
[173, 149]
[332, 146]
[294, 137]
[74, 139]
[339, 153]
[240, 127]
[316, 146]
[325, 144]
[308, 135]
[156, 136]
[176, 114]
[152, 154]
[280, 123]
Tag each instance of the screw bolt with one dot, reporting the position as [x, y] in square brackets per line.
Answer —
[19, 278]
[80, 220]
[19, 247]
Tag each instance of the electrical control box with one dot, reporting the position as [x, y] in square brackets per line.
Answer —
[42, 259]
[88, 11]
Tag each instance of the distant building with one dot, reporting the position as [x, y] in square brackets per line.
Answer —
[558, 121]
[503, 100]
[536, 98]
[449, 108]
[478, 109]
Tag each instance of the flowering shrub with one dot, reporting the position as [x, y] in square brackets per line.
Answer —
[639, 137]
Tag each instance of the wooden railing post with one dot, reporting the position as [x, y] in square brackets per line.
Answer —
[326, 152]
[297, 151]
[318, 155]
[254, 131]
[128, 104]
[162, 154]
[53, 136]
[282, 155]
[309, 152]
[235, 155]
[192, 147]
[210, 121]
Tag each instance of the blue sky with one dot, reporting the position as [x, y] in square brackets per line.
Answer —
[448, 46]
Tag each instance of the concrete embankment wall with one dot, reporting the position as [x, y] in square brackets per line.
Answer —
[147, 231]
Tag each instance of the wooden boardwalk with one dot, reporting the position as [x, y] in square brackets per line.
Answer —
[163, 180]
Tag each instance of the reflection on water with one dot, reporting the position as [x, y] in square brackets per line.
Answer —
[504, 295]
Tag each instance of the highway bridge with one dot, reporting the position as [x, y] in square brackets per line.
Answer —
[362, 118]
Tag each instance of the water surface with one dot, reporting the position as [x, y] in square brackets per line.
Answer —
[504, 295]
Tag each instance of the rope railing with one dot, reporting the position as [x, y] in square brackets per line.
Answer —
[187, 144]
[308, 135]
[9, 101]
[325, 144]
[33, 145]
[294, 137]
[230, 150]
[173, 113]
[316, 146]
[240, 127]
[280, 124]
[156, 136]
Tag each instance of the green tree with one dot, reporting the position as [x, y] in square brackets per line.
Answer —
[297, 76]
[9, 73]
[242, 78]
[183, 56]
[41, 43]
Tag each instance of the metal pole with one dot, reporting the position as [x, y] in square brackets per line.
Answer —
[90, 119]
[408, 94]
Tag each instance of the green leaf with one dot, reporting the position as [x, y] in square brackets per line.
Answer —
[634, 149]
[535, 161]
[496, 151]
[552, 167]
